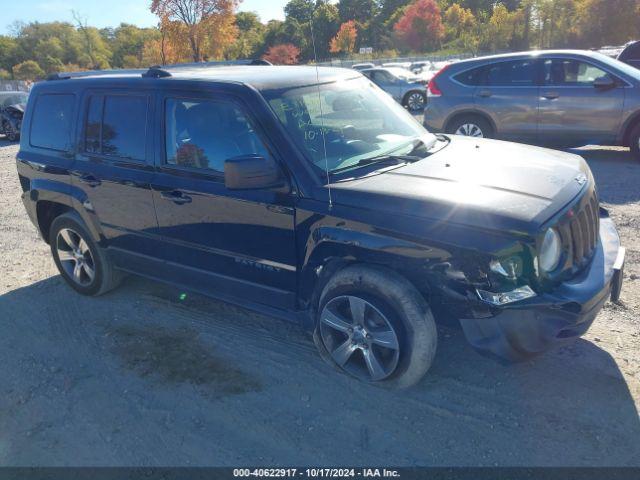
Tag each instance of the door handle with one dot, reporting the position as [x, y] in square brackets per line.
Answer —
[89, 180]
[484, 93]
[176, 196]
[550, 95]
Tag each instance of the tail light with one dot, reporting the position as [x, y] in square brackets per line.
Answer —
[433, 90]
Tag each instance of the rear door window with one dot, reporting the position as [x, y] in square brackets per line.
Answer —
[116, 125]
[517, 73]
[52, 122]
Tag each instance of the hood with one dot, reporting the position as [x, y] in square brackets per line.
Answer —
[487, 184]
[18, 107]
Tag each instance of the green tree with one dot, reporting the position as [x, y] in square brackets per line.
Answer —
[301, 10]
[251, 33]
[325, 26]
[498, 32]
[8, 48]
[127, 44]
[28, 70]
[362, 11]
[607, 22]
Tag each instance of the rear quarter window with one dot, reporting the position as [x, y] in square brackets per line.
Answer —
[51, 123]
[470, 78]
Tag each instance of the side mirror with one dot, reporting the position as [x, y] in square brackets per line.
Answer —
[251, 172]
[604, 82]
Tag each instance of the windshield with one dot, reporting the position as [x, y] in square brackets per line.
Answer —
[359, 122]
[13, 99]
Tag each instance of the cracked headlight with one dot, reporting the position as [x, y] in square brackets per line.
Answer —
[550, 251]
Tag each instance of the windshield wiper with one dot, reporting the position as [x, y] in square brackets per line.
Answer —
[387, 158]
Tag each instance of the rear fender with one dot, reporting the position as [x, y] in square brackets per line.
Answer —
[64, 194]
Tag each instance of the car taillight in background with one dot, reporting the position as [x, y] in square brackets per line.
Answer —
[432, 89]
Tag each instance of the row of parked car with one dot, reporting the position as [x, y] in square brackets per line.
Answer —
[404, 81]
[556, 98]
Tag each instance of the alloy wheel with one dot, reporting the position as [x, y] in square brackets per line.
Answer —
[415, 102]
[75, 257]
[359, 338]
[470, 130]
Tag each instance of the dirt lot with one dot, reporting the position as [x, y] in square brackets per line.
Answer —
[140, 377]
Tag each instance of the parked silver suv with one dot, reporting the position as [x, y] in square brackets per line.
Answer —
[403, 85]
[560, 98]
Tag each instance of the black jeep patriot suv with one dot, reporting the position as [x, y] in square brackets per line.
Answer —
[310, 195]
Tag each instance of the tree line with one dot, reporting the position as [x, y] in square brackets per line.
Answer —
[200, 30]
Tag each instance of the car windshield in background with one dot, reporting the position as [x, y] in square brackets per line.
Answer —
[401, 73]
[359, 122]
[13, 99]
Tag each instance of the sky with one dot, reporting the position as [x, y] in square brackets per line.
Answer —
[108, 13]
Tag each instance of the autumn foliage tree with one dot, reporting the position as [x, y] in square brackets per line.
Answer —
[345, 39]
[420, 27]
[283, 54]
[207, 26]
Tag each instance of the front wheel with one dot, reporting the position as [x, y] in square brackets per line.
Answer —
[81, 262]
[374, 325]
[471, 126]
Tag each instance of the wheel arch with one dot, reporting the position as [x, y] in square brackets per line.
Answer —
[51, 199]
[470, 112]
[629, 125]
[330, 256]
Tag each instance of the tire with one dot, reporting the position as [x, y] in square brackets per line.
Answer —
[95, 275]
[634, 142]
[414, 101]
[474, 125]
[396, 331]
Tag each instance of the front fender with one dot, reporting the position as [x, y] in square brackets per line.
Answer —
[330, 245]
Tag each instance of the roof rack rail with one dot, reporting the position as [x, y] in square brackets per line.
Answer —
[219, 63]
[156, 71]
[93, 73]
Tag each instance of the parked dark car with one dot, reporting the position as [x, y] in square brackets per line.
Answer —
[560, 98]
[631, 54]
[312, 196]
[12, 105]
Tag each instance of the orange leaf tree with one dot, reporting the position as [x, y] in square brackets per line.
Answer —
[283, 54]
[345, 39]
[421, 26]
[206, 26]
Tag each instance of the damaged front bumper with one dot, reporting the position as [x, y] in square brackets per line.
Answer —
[523, 329]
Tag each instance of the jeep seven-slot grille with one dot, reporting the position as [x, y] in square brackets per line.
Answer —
[580, 235]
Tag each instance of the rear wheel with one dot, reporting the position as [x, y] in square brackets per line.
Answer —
[414, 101]
[374, 325]
[634, 142]
[471, 126]
[81, 262]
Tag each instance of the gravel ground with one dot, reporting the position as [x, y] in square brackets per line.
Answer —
[141, 378]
